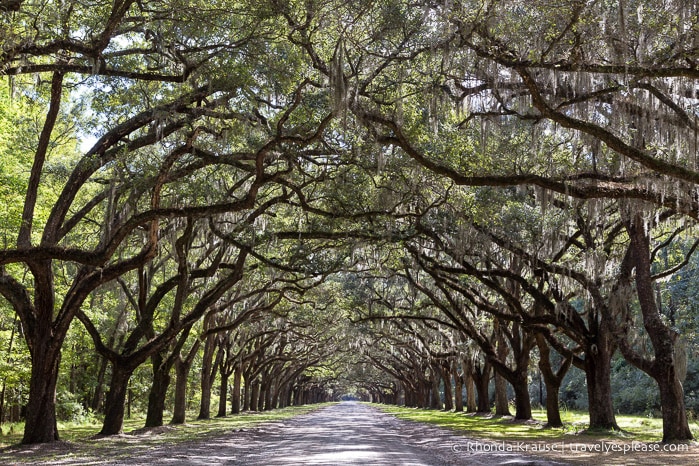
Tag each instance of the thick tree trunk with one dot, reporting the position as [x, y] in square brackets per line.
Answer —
[262, 395]
[255, 395]
[502, 405]
[223, 396]
[158, 392]
[471, 404]
[599, 387]
[269, 397]
[435, 400]
[205, 383]
[410, 398]
[448, 393]
[246, 395]
[208, 375]
[96, 404]
[523, 405]
[482, 380]
[662, 337]
[181, 375]
[235, 395]
[458, 388]
[264, 398]
[553, 412]
[40, 419]
[552, 380]
[116, 400]
[274, 398]
[182, 368]
[469, 385]
[675, 424]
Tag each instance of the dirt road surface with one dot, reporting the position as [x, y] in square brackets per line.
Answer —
[344, 434]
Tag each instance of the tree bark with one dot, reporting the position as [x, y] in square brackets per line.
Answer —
[223, 396]
[40, 419]
[158, 391]
[458, 388]
[481, 377]
[597, 363]
[502, 405]
[662, 337]
[246, 395]
[255, 394]
[470, 385]
[523, 404]
[182, 368]
[448, 393]
[116, 400]
[235, 394]
[552, 380]
[435, 377]
[181, 376]
[208, 375]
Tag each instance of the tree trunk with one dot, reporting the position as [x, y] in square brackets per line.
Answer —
[255, 394]
[235, 395]
[158, 391]
[435, 400]
[208, 375]
[458, 388]
[269, 396]
[470, 385]
[223, 396]
[40, 419]
[246, 395]
[482, 380]
[675, 424]
[116, 400]
[274, 398]
[96, 405]
[264, 387]
[552, 380]
[502, 405]
[662, 337]
[599, 387]
[448, 393]
[553, 412]
[523, 405]
[262, 396]
[181, 376]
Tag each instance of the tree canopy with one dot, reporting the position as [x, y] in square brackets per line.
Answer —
[304, 200]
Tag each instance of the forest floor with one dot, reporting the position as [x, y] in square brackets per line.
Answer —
[345, 433]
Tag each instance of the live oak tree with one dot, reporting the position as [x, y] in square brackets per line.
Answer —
[305, 136]
[617, 98]
[104, 219]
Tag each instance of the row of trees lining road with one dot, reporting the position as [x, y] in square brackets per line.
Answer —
[301, 197]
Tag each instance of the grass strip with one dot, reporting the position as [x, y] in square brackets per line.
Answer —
[81, 440]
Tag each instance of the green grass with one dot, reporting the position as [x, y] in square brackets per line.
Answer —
[638, 428]
[82, 442]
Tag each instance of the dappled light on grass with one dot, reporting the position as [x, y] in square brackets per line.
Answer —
[82, 440]
[638, 428]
